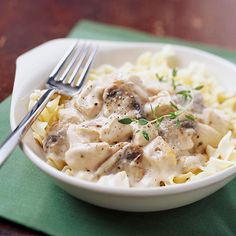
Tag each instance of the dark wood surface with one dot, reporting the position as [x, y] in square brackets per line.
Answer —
[27, 23]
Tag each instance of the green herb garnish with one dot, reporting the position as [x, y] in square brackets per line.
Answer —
[174, 105]
[160, 78]
[185, 93]
[156, 108]
[199, 87]
[158, 121]
[142, 121]
[126, 121]
[178, 123]
[154, 111]
[174, 72]
[173, 84]
[190, 117]
[145, 135]
[173, 115]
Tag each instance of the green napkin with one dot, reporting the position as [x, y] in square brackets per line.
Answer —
[29, 197]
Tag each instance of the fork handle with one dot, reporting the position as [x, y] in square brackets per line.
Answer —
[14, 138]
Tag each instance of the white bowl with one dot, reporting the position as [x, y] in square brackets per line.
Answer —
[32, 69]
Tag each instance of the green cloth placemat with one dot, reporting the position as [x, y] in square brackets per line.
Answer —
[29, 197]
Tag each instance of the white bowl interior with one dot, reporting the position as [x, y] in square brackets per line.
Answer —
[32, 71]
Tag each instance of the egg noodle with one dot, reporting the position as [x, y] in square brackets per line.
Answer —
[82, 136]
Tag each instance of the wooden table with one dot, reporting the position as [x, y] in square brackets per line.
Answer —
[27, 23]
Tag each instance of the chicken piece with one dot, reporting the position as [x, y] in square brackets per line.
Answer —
[89, 101]
[206, 135]
[87, 156]
[192, 163]
[160, 155]
[79, 134]
[129, 159]
[138, 137]
[180, 139]
[113, 131]
[121, 100]
[70, 115]
[119, 179]
[162, 102]
[136, 85]
[151, 84]
[96, 123]
[217, 120]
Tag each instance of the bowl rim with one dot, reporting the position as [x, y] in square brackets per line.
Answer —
[142, 191]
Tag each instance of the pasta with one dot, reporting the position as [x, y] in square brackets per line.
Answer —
[147, 124]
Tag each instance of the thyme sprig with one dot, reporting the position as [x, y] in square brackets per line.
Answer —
[174, 105]
[190, 117]
[186, 94]
[160, 78]
[199, 87]
[177, 123]
[173, 82]
[142, 121]
[173, 116]
[174, 85]
[145, 135]
[174, 72]
[126, 121]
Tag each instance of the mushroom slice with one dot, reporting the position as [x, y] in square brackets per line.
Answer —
[56, 142]
[87, 156]
[129, 159]
[89, 101]
[121, 100]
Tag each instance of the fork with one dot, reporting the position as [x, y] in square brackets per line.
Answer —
[67, 78]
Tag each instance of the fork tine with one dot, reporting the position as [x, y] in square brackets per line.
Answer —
[76, 69]
[60, 64]
[71, 63]
[85, 70]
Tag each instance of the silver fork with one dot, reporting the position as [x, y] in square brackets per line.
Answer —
[67, 78]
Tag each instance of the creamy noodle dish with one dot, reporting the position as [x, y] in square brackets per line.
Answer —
[147, 124]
